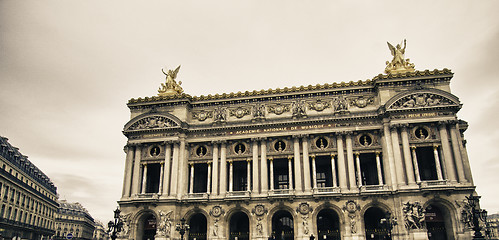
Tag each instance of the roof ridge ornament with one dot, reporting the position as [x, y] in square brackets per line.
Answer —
[170, 87]
[398, 64]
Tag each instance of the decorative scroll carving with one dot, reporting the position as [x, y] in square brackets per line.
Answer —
[340, 104]
[239, 112]
[352, 207]
[298, 109]
[278, 109]
[420, 100]
[398, 64]
[170, 87]
[259, 111]
[165, 224]
[202, 115]
[220, 114]
[152, 123]
[414, 215]
[362, 102]
[319, 105]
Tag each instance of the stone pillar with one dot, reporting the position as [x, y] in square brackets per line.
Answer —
[464, 156]
[136, 171]
[208, 180]
[409, 170]
[389, 150]
[175, 169]
[333, 171]
[290, 173]
[127, 180]
[161, 176]
[378, 167]
[306, 164]
[449, 165]
[263, 165]
[144, 178]
[215, 180]
[248, 175]
[271, 170]
[437, 162]
[457, 153]
[397, 156]
[182, 184]
[223, 169]
[314, 172]
[359, 172]
[166, 173]
[231, 176]
[341, 163]
[191, 179]
[298, 169]
[350, 162]
[416, 165]
[256, 177]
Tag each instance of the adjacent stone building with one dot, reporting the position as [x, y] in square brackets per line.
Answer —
[336, 161]
[27, 196]
[73, 220]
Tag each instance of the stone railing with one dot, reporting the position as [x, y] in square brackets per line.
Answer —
[433, 183]
[373, 188]
[197, 195]
[327, 190]
[236, 194]
[281, 192]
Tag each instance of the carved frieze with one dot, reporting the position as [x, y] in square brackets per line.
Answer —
[340, 104]
[319, 105]
[278, 108]
[259, 111]
[298, 109]
[165, 224]
[361, 102]
[153, 122]
[414, 215]
[420, 100]
[202, 115]
[239, 112]
[220, 114]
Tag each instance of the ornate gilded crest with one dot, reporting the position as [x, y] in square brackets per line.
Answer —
[304, 208]
[239, 112]
[319, 105]
[278, 109]
[202, 115]
[216, 211]
[259, 210]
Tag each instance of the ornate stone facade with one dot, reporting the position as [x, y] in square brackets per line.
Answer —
[334, 161]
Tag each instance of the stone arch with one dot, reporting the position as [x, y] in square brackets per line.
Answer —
[284, 208]
[153, 121]
[422, 98]
[374, 204]
[138, 221]
[450, 215]
[238, 212]
[337, 211]
[202, 232]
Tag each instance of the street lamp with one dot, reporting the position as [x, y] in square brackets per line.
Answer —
[181, 228]
[477, 214]
[388, 223]
[116, 226]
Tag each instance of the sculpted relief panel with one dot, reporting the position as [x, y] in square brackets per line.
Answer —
[153, 122]
[420, 100]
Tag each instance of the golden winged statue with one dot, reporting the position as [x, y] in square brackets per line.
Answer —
[398, 64]
[170, 87]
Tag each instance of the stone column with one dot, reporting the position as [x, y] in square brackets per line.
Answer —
[263, 165]
[464, 155]
[166, 173]
[298, 169]
[182, 185]
[341, 163]
[378, 167]
[231, 176]
[223, 169]
[175, 169]
[437, 162]
[306, 164]
[271, 170]
[290, 173]
[389, 150]
[350, 161]
[416, 165]
[359, 172]
[397, 156]
[136, 171]
[314, 172]
[191, 179]
[208, 180]
[256, 177]
[144, 178]
[449, 165]
[248, 175]
[409, 170]
[333, 171]
[127, 180]
[161, 176]
[215, 180]
[457, 153]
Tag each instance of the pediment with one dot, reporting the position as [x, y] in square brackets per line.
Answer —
[152, 122]
[424, 98]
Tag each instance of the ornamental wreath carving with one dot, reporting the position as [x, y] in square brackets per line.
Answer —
[421, 100]
[319, 105]
[362, 102]
[414, 215]
[303, 208]
[216, 211]
[202, 115]
[259, 210]
[153, 123]
[239, 112]
[278, 109]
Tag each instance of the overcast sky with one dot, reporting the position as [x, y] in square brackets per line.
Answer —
[68, 68]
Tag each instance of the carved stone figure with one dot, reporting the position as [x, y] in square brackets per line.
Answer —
[398, 64]
[126, 225]
[353, 223]
[414, 215]
[170, 87]
[352, 207]
[259, 111]
[215, 228]
[220, 114]
[420, 100]
[340, 104]
[298, 109]
[259, 228]
[305, 225]
[165, 223]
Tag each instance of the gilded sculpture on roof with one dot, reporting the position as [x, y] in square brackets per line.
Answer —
[398, 64]
[170, 87]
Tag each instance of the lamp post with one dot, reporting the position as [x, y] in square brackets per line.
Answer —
[477, 214]
[388, 223]
[116, 226]
[181, 228]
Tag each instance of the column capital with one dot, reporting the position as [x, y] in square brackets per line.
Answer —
[348, 133]
[230, 161]
[413, 147]
[312, 156]
[453, 122]
[208, 163]
[167, 142]
[249, 160]
[442, 124]
[394, 126]
[357, 154]
[333, 155]
[404, 125]
[191, 163]
[435, 146]
[290, 158]
[271, 159]
[377, 153]
[143, 163]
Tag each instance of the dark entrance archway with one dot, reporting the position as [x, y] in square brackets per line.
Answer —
[239, 226]
[373, 226]
[282, 225]
[146, 228]
[197, 224]
[437, 223]
[328, 225]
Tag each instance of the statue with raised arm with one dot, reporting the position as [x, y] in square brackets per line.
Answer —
[398, 64]
[170, 87]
